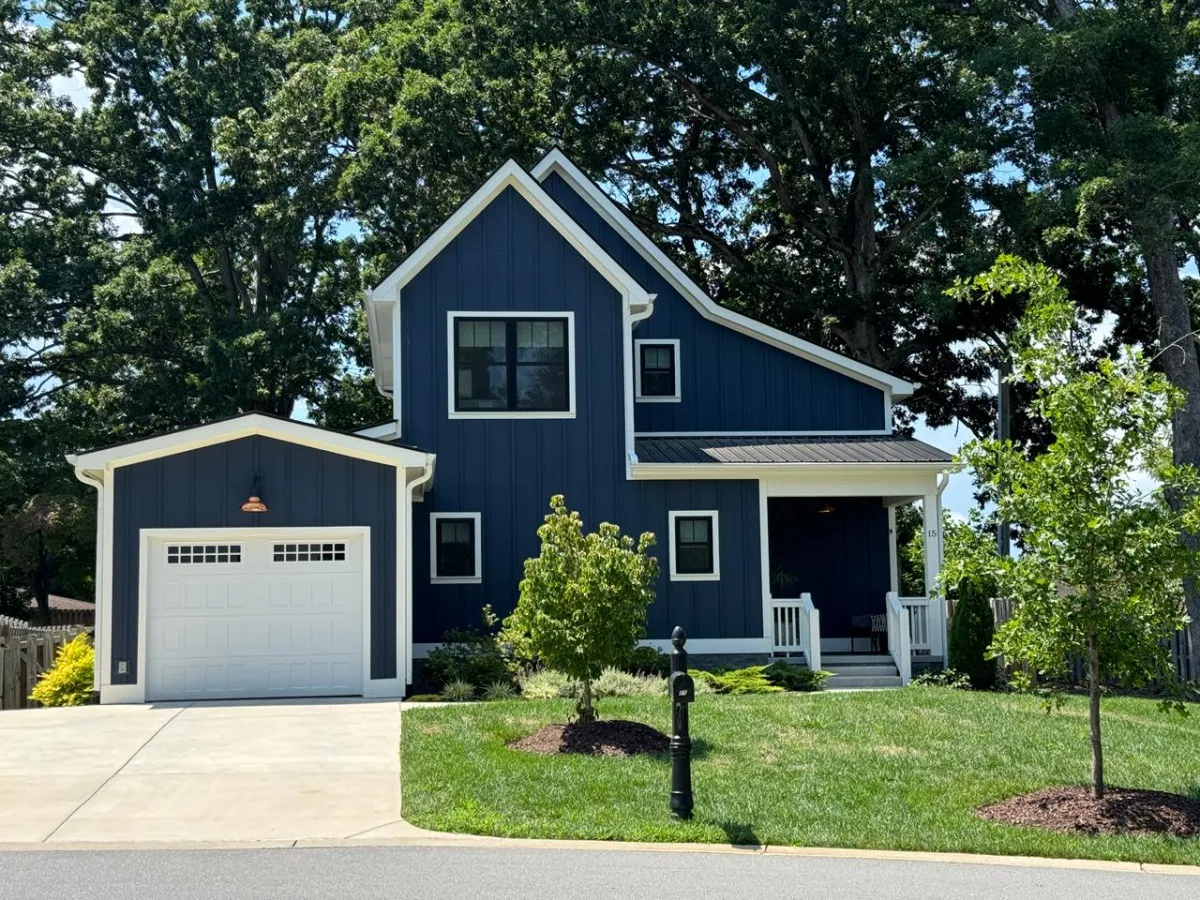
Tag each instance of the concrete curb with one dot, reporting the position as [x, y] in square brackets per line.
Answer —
[415, 837]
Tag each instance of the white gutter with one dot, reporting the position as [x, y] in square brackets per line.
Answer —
[92, 480]
[424, 479]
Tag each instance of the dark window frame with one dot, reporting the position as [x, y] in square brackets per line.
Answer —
[470, 548]
[683, 552]
[672, 392]
[512, 365]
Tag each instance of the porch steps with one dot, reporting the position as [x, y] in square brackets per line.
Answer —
[860, 670]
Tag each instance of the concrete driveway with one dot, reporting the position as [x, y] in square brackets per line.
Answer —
[236, 771]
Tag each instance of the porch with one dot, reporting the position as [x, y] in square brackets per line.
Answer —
[832, 584]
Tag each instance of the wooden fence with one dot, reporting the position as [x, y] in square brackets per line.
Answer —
[26, 652]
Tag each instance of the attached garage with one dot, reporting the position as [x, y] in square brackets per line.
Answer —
[238, 615]
[255, 557]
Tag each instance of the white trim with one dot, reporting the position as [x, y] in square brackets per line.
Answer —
[434, 578]
[556, 160]
[814, 472]
[247, 426]
[730, 434]
[675, 397]
[713, 645]
[104, 591]
[380, 432]
[713, 515]
[694, 645]
[452, 389]
[409, 492]
[136, 693]
[764, 553]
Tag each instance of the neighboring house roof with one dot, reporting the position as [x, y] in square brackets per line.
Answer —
[840, 450]
[380, 300]
[248, 425]
[64, 603]
[611, 213]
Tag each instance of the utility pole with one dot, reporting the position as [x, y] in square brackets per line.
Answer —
[1003, 433]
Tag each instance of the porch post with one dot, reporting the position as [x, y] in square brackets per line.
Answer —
[931, 521]
[893, 557]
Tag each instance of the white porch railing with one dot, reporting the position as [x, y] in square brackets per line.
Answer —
[899, 637]
[797, 628]
[926, 624]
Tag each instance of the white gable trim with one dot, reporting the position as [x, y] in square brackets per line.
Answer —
[247, 426]
[512, 175]
[557, 161]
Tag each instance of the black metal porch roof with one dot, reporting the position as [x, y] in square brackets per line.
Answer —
[779, 450]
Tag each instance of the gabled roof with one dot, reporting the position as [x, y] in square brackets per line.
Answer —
[248, 425]
[817, 450]
[557, 161]
[379, 300]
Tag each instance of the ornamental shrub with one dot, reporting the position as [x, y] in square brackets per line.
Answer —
[615, 682]
[69, 681]
[972, 632]
[546, 684]
[795, 678]
[466, 655]
[947, 678]
[649, 661]
[750, 680]
[458, 691]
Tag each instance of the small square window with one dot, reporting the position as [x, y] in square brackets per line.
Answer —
[695, 551]
[657, 370]
[455, 547]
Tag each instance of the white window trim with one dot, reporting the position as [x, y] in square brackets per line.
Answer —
[453, 315]
[637, 369]
[715, 574]
[434, 578]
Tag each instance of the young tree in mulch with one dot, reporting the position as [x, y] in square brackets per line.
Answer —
[1099, 575]
[583, 599]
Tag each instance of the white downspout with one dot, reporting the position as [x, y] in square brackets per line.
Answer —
[97, 637]
[423, 479]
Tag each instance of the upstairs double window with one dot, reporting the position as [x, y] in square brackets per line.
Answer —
[512, 365]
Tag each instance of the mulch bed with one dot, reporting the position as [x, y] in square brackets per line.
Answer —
[614, 737]
[1122, 811]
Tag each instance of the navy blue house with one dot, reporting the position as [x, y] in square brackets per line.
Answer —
[536, 344]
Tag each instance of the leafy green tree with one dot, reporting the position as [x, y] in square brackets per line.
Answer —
[583, 599]
[1099, 574]
[1111, 138]
[801, 160]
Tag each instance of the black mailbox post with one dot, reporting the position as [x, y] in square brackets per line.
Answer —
[683, 693]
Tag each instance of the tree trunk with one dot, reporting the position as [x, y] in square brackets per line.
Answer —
[1177, 347]
[1094, 716]
[587, 713]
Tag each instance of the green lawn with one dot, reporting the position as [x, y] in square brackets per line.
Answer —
[893, 770]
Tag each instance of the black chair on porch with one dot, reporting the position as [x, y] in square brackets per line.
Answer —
[872, 627]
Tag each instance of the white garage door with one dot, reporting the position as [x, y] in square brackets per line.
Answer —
[254, 617]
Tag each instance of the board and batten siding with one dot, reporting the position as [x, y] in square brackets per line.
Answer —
[728, 381]
[510, 259]
[839, 557]
[205, 488]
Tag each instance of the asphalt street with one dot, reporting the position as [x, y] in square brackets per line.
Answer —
[436, 873]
